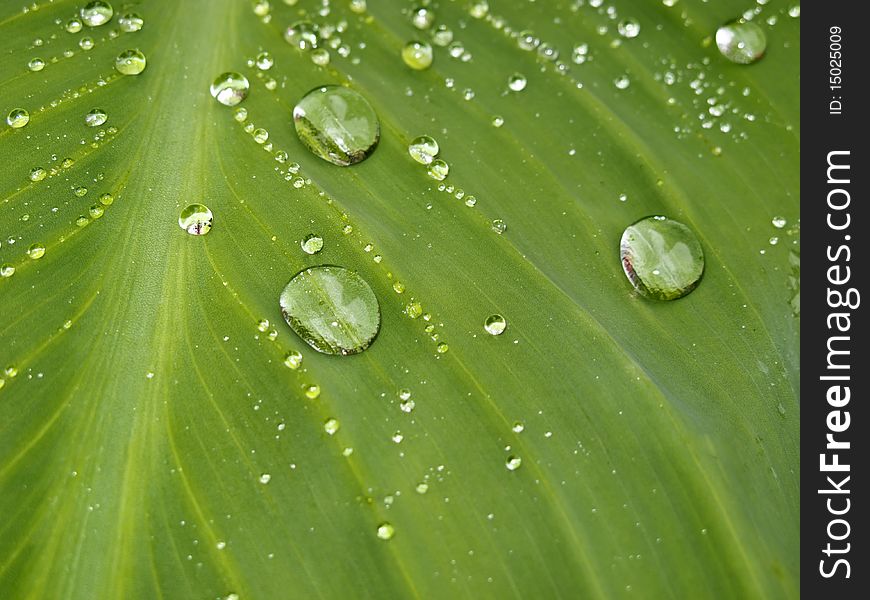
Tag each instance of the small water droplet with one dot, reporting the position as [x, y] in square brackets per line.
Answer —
[622, 82]
[265, 478]
[73, 26]
[130, 62]
[499, 226]
[628, 28]
[442, 348]
[332, 309]
[17, 118]
[86, 43]
[260, 135]
[337, 124]
[37, 174]
[438, 170]
[495, 324]
[196, 219]
[312, 392]
[131, 22]
[442, 36]
[422, 487]
[320, 57]
[293, 359]
[312, 243]
[479, 9]
[96, 117]
[36, 251]
[741, 41]
[518, 427]
[497, 121]
[302, 35]
[358, 6]
[230, 88]
[7, 270]
[794, 11]
[662, 258]
[513, 463]
[96, 13]
[36, 64]
[331, 426]
[779, 222]
[527, 40]
[422, 17]
[386, 531]
[517, 82]
[96, 211]
[417, 55]
[106, 199]
[423, 149]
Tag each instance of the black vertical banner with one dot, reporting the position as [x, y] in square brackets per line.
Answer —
[835, 367]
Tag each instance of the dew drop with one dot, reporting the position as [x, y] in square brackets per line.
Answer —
[332, 309]
[442, 348]
[96, 117]
[423, 149]
[293, 359]
[495, 324]
[265, 478]
[438, 170]
[442, 36]
[622, 82]
[36, 251]
[241, 114]
[131, 22]
[196, 219]
[662, 258]
[386, 531]
[264, 61]
[518, 427]
[422, 17]
[417, 55]
[779, 222]
[86, 43]
[96, 13]
[331, 426]
[629, 28]
[794, 11]
[17, 118]
[312, 392]
[73, 26]
[422, 487]
[80, 191]
[36, 64]
[312, 243]
[302, 35]
[96, 211]
[499, 226]
[230, 88]
[513, 463]
[7, 270]
[517, 82]
[337, 124]
[407, 405]
[260, 135]
[130, 62]
[37, 174]
[479, 9]
[106, 199]
[741, 42]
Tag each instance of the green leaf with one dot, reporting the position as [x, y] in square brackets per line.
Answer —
[154, 443]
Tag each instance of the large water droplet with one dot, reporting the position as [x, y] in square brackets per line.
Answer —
[96, 13]
[662, 258]
[423, 149]
[302, 35]
[96, 117]
[230, 88]
[17, 118]
[495, 324]
[196, 219]
[337, 124]
[417, 55]
[130, 62]
[332, 308]
[741, 41]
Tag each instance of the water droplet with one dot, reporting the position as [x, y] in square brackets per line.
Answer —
[265, 478]
[37, 174]
[86, 43]
[495, 324]
[196, 219]
[622, 82]
[302, 35]
[260, 135]
[96, 13]
[386, 531]
[96, 117]
[230, 88]
[36, 251]
[407, 405]
[422, 17]
[417, 55]
[423, 149]
[517, 82]
[312, 243]
[36, 64]
[518, 427]
[131, 22]
[422, 487]
[397, 437]
[7, 270]
[547, 52]
[130, 62]
[527, 40]
[662, 258]
[470, 200]
[513, 463]
[241, 114]
[442, 348]
[293, 359]
[81, 221]
[332, 308]
[17, 118]
[331, 426]
[404, 394]
[320, 57]
[794, 11]
[741, 41]
[80, 191]
[264, 61]
[779, 222]
[312, 392]
[337, 124]
[106, 199]
[74, 26]
[438, 170]
[499, 226]
[96, 211]
[629, 28]
[358, 6]
[442, 36]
